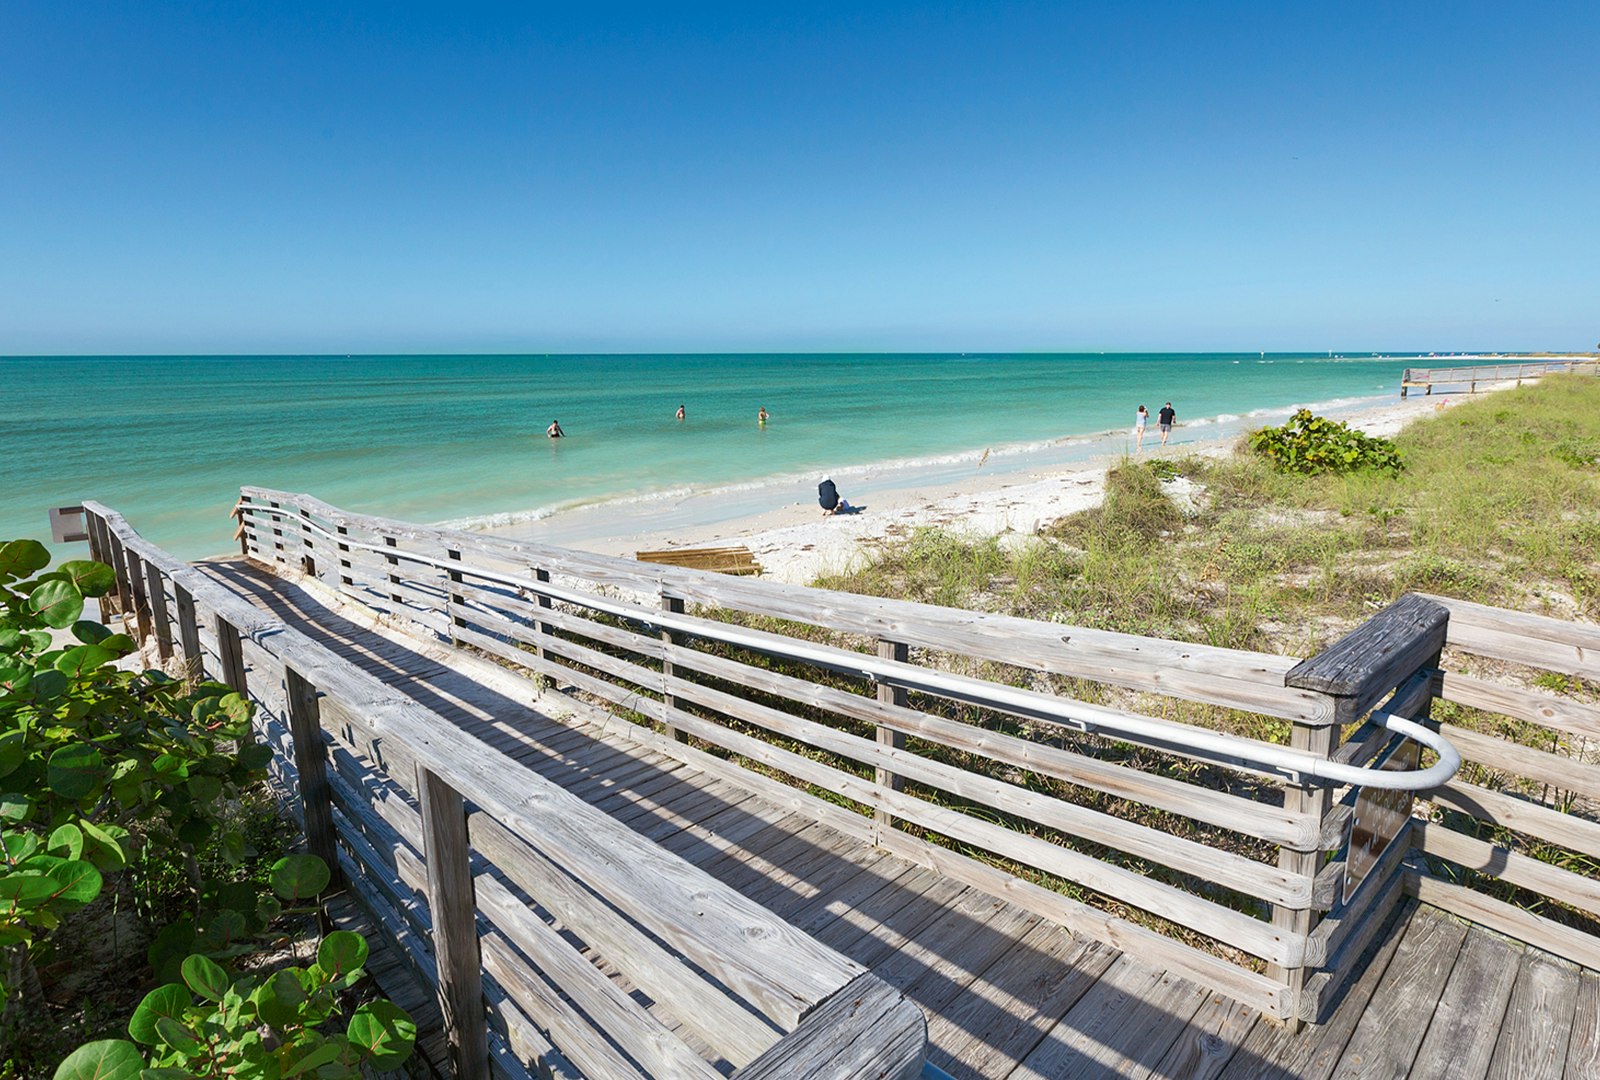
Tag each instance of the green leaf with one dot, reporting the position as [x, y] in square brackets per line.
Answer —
[255, 756]
[177, 1036]
[279, 999]
[169, 1001]
[57, 603]
[195, 830]
[48, 684]
[15, 806]
[384, 1032]
[205, 977]
[91, 578]
[299, 877]
[77, 882]
[104, 1059]
[19, 845]
[19, 558]
[342, 953]
[326, 1053]
[204, 789]
[80, 660]
[66, 841]
[89, 632]
[238, 709]
[26, 888]
[106, 845]
[121, 644]
[13, 751]
[75, 771]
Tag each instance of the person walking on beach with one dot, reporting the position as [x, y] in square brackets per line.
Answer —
[1140, 418]
[554, 430]
[680, 412]
[761, 417]
[1164, 421]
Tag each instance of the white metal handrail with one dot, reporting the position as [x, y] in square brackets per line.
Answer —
[1294, 765]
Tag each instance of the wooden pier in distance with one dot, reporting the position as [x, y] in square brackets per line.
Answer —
[605, 834]
[1470, 376]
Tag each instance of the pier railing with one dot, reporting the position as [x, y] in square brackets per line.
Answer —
[561, 943]
[1470, 376]
[1039, 761]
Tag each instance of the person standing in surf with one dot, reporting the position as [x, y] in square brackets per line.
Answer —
[1164, 421]
[1140, 418]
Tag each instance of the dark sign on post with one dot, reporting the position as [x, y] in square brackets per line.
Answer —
[1379, 815]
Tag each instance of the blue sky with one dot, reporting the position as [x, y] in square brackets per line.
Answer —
[280, 177]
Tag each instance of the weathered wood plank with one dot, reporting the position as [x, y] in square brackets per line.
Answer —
[1124, 1025]
[1520, 815]
[1275, 1052]
[736, 1033]
[1390, 1032]
[455, 935]
[1562, 714]
[1555, 882]
[310, 762]
[1583, 1048]
[865, 1031]
[1461, 1037]
[1209, 1042]
[1553, 937]
[1010, 1005]
[1558, 770]
[1363, 666]
[1538, 1021]
[1536, 640]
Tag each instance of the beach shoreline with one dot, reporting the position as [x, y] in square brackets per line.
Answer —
[795, 543]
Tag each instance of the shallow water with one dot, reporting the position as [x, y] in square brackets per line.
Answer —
[169, 440]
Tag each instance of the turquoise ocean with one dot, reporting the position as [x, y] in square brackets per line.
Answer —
[169, 440]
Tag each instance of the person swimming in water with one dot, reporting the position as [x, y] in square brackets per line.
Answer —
[761, 417]
[554, 430]
[680, 412]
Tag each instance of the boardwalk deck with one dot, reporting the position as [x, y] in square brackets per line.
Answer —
[1006, 993]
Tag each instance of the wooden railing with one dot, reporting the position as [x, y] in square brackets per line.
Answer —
[561, 943]
[1471, 376]
[1526, 812]
[1105, 820]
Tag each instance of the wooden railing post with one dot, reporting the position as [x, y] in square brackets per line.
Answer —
[230, 654]
[136, 587]
[277, 535]
[194, 660]
[242, 533]
[1358, 672]
[344, 559]
[100, 551]
[454, 599]
[394, 560]
[308, 559]
[311, 767]
[890, 694]
[119, 564]
[157, 596]
[541, 628]
[452, 907]
[672, 605]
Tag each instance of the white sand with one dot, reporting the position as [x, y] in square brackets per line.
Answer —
[796, 543]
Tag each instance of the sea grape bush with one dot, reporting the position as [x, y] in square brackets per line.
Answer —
[100, 768]
[216, 1024]
[1314, 444]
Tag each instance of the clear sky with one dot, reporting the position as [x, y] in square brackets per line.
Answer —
[283, 177]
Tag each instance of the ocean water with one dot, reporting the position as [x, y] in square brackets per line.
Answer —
[169, 440]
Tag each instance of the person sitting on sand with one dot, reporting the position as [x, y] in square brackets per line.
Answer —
[680, 412]
[761, 417]
[830, 500]
[554, 430]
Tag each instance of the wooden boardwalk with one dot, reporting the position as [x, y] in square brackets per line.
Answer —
[1006, 993]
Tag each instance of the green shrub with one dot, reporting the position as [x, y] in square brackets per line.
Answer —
[1314, 444]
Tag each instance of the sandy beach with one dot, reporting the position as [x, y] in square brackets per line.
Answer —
[795, 542]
